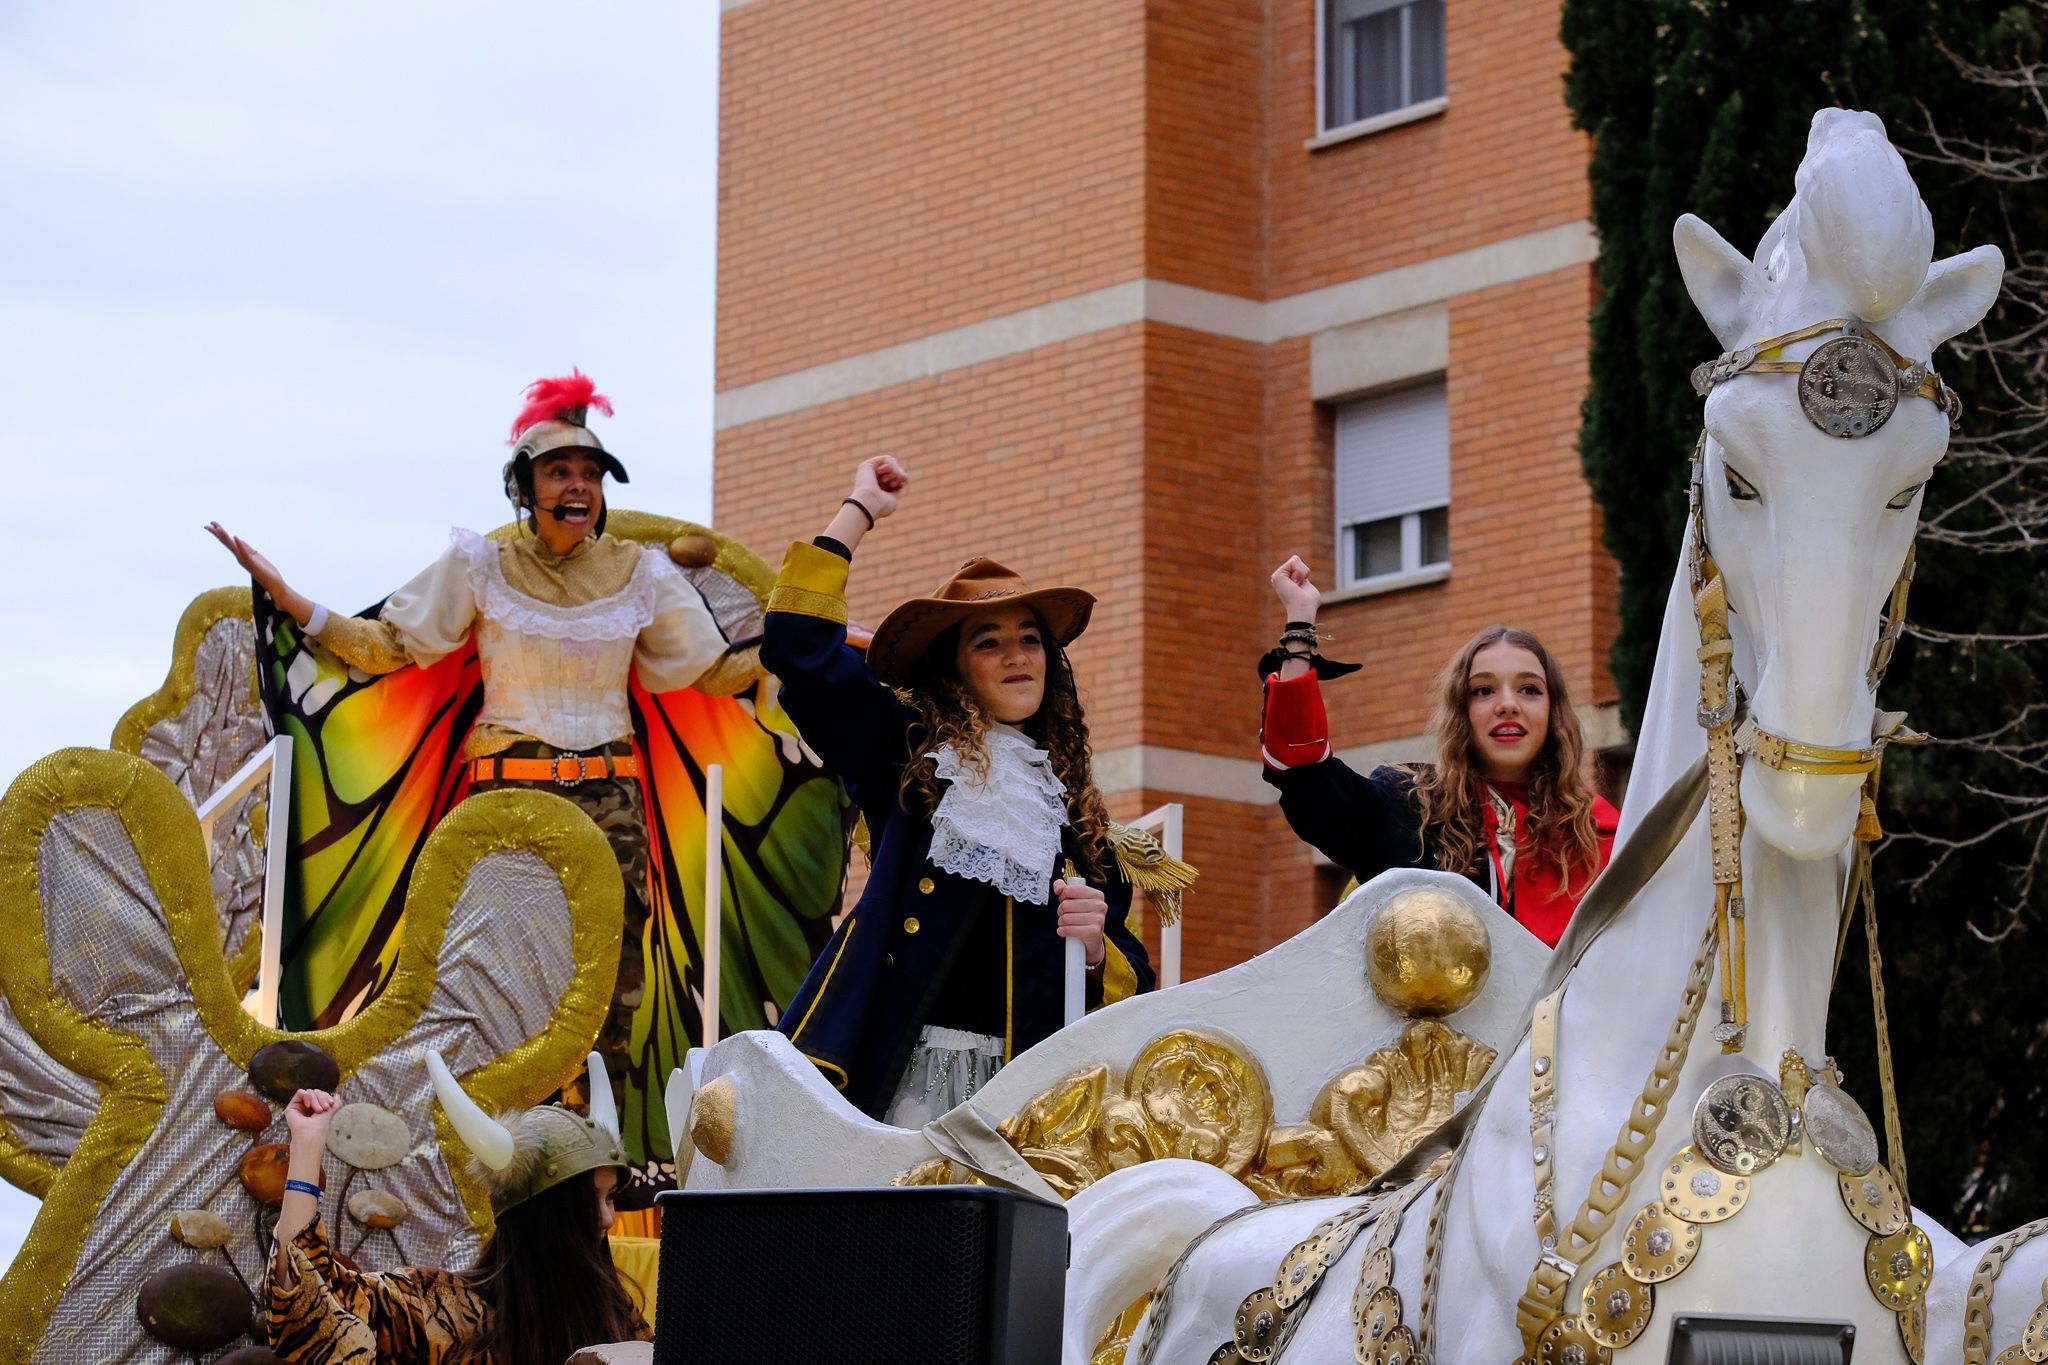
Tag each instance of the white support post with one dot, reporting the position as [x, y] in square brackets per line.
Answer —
[274, 762]
[1169, 934]
[1077, 971]
[1166, 823]
[714, 849]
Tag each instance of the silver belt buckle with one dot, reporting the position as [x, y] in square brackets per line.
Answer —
[563, 779]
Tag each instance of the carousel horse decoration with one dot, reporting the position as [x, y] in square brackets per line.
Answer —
[140, 1093]
[1669, 1124]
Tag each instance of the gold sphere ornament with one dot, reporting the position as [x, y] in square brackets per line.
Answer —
[1427, 954]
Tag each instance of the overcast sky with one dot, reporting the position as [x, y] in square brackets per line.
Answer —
[289, 267]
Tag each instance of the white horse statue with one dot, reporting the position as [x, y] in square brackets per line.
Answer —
[1807, 501]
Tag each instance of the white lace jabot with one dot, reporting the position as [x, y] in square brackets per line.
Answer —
[1003, 829]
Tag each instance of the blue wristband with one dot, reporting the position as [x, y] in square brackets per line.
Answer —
[303, 1187]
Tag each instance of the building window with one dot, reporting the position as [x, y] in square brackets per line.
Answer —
[1393, 488]
[1380, 56]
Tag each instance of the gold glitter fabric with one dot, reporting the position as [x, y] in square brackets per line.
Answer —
[198, 729]
[115, 974]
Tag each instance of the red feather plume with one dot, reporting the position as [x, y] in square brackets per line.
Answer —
[548, 398]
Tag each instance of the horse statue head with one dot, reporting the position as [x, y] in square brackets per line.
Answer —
[1824, 421]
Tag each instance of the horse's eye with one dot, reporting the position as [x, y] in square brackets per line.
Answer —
[1739, 488]
[1905, 497]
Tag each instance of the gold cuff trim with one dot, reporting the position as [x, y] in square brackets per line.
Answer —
[1119, 978]
[813, 583]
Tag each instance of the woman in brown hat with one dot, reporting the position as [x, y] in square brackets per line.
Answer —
[962, 741]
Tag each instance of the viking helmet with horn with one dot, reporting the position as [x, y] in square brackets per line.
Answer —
[517, 1155]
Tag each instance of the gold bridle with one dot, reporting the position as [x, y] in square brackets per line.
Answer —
[1848, 388]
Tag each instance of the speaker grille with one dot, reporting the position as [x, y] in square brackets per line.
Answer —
[825, 1277]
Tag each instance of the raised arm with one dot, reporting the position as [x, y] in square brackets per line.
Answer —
[308, 1117]
[294, 604]
[424, 621]
[854, 722]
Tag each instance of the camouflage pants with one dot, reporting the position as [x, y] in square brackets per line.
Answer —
[614, 805]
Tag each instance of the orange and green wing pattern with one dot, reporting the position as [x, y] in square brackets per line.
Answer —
[783, 860]
[375, 765]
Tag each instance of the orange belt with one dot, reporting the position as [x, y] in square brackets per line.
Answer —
[565, 769]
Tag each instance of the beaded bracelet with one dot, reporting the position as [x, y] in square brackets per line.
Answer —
[303, 1187]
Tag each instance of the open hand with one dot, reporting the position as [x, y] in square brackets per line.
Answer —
[1297, 593]
[878, 482]
[258, 567]
[1084, 914]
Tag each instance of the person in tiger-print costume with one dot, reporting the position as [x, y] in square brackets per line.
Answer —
[543, 1287]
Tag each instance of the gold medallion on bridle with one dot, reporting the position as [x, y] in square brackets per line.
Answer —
[1226, 1354]
[1376, 1274]
[1259, 1320]
[1396, 1348]
[1839, 1129]
[1565, 1342]
[1305, 1265]
[2034, 1341]
[1658, 1244]
[1873, 1199]
[1377, 1316]
[1913, 1330]
[2011, 1355]
[1615, 1309]
[1849, 387]
[1898, 1267]
[1741, 1123]
[1698, 1193]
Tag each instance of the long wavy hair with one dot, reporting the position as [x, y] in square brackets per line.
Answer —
[548, 1274]
[1561, 825]
[947, 713]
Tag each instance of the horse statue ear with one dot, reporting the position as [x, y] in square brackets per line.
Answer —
[1718, 277]
[1958, 293]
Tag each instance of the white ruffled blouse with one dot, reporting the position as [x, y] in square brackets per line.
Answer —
[556, 673]
[1002, 828]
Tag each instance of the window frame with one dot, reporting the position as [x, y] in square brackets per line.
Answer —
[1327, 135]
[1413, 572]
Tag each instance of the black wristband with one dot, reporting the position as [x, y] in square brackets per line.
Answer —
[860, 507]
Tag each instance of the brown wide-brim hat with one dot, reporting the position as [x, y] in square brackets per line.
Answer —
[902, 639]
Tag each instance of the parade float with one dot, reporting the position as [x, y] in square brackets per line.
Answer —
[1409, 1133]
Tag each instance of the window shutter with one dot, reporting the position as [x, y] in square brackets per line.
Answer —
[1393, 455]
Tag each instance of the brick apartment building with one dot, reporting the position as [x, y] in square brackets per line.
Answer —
[1149, 296]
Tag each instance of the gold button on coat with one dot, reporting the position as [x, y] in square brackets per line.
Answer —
[925, 885]
[911, 926]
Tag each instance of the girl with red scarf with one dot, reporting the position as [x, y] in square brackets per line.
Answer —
[1505, 803]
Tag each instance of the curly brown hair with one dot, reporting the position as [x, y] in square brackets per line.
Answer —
[947, 713]
[1561, 824]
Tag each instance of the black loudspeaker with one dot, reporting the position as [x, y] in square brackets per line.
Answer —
[922, 1275]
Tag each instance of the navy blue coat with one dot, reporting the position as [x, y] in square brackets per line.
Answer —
[872, 988]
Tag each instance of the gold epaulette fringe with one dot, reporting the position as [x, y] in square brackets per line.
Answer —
[1145, 865]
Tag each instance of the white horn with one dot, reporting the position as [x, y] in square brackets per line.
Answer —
[604, 1105]
[489, 1140]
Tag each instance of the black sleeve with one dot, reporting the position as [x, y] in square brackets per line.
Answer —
[1365, 825]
